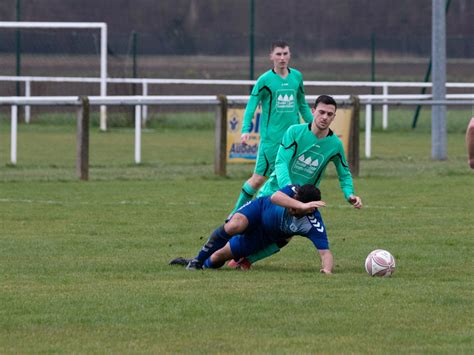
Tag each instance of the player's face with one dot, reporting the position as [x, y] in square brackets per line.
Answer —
[324, 115]
[280, 57]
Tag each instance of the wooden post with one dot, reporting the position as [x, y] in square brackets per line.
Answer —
[82, 151]
[353, 158]
[221, 137]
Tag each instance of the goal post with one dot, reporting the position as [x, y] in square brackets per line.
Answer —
[102, 26]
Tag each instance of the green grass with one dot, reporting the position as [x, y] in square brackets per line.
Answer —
[83, 265]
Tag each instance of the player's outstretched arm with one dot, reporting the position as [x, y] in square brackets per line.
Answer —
[327, 261]
[281, 199]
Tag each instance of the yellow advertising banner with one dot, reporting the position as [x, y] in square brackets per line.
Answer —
[341, 126]
[239, 153]
[236, 151]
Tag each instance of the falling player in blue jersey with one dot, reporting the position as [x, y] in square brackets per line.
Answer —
[290, 211]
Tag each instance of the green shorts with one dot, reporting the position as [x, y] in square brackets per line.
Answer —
[266, 156]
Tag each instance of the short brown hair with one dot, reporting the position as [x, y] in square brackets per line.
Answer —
[279, 43]
[325, 99]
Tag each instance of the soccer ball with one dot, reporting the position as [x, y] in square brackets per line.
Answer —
[380, 263]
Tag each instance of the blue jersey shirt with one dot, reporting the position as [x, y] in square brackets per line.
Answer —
[269, 223]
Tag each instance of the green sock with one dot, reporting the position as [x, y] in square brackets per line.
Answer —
[245, 196]
[264, 253]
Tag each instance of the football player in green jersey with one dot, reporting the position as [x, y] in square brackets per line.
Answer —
[305, 151]
[280, 92]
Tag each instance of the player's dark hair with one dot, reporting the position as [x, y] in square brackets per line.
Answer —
[325, 99]
[308, 193]
[279, 43]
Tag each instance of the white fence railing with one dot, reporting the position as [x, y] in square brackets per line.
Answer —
[210, 100]
[146, 82]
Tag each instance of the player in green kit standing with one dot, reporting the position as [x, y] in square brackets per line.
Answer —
[305, 152]
[280, 92]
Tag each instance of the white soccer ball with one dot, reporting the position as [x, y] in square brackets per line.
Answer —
[380, 263]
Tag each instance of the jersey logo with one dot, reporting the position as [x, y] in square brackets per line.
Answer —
[308, 163]
[314, 221]
[285, 100]
[293, 227]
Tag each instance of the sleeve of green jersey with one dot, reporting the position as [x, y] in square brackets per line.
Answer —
[283, 159]
[343, 173]
[252, 104]
[303, 105]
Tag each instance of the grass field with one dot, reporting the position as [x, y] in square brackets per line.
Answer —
[83, 265]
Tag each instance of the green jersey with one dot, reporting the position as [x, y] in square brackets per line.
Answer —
[282, 100]
[302, 159]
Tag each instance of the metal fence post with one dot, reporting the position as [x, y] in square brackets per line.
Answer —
[27, 107]
[368, 129]
[138, 134]
[82, 151]
[385, 108]
[221, 137]
[14, 134]
[144, 107]
[438, 113]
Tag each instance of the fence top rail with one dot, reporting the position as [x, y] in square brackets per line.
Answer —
[154, 100]
[42, 24]
[223, 82]
[39, 100]
[419, 102]
[214, 100]
[139, 100]
[110, 100]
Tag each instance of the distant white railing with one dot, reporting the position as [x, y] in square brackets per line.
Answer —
[211, 100]
[146, 82]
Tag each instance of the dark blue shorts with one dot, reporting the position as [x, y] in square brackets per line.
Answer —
[243, 245]
[253, 239]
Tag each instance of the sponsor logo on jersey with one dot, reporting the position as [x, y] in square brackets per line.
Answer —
[308, 163]
[293, 227]
[285, 100]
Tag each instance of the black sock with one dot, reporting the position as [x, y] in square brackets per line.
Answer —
[217, 240]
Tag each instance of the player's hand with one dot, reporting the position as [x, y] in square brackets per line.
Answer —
[355, 201]
[310, 207]
[244, 138]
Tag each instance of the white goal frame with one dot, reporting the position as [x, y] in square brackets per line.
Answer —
[102, 26]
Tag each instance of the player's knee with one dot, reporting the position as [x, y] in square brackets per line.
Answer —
[237, 224]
